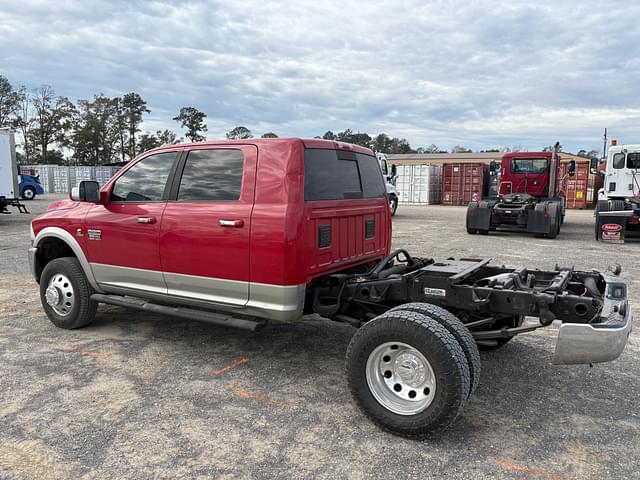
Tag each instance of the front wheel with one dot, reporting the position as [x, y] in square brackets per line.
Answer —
[393, 204]
[29, 193]
[65, 294]
[408, 373]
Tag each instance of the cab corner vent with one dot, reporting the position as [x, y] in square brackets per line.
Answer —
[369, 228]
[324, 236]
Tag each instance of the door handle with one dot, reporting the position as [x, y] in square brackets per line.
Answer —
[231, 223]
[146, 220]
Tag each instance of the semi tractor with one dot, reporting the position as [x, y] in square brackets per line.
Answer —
[390, 176]
[9, 189]
[530, 196]
[618, 209]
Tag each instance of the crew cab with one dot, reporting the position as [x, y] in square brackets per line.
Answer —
[242, 233]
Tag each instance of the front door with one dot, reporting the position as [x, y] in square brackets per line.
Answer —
[205, 232]
[122, 235]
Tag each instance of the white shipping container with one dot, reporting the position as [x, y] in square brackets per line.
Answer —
[419, 184]
[8, 169]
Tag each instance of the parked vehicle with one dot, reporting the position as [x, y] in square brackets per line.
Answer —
[8, 173]
[530, 196]
[29, 186]
[240, 233]
[618, 209]
[390, 182]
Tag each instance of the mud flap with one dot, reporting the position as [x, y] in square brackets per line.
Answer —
[541, 219]
[611, 228]
[479, 216]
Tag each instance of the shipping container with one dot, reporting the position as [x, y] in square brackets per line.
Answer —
[464, 182]
[61, 178]
[419, 184]
[576, 187]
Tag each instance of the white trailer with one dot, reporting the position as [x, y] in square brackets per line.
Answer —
[8, 172]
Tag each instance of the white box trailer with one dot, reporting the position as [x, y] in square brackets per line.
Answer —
[8, 172]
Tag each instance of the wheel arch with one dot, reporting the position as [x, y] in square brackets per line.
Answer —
[55, 242]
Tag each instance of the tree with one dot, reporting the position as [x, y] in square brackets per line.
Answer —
[460, 149]
[23, 122]
[400, 145]
[96, 135]
[148, 140]
[53, 121]
[239, 133]
[193, 120]
[269, 135]
[133, 107]
[590, 154]
[329, 135]
[381, 143]
[10, 100]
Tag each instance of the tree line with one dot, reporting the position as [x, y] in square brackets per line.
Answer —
[106, 129]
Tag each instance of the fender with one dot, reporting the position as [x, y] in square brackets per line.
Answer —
[67, 238]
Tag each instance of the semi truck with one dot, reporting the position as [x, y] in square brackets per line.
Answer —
[617, 212]
[9, 189]
[389, 174]
[530, 196]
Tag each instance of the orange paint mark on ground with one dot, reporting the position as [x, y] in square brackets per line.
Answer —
[538, 472]
[259, 397]
[240, 361]
[86, 353]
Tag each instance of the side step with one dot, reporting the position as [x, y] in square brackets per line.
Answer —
[180, 312]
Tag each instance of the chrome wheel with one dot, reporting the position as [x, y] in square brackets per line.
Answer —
[60, 295]
[400, 378]
[28, 194]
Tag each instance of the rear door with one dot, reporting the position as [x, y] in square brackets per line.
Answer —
[122, 235]
[205, 232]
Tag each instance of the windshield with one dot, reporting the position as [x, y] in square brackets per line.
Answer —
[528, 166]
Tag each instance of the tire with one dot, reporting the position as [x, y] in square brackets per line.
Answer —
[393, 204]
[456, 328]
[65, 294]
[28, 193]
[443, 387]
[483, 232]
[471, 231]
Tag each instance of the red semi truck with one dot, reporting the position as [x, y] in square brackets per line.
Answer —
[530, 196]
[241, 233]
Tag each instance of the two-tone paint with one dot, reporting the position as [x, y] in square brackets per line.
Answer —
[255, 256]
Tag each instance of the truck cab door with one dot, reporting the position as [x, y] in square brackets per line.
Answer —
[206, 226]
[122, 234]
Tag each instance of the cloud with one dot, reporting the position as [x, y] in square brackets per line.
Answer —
[481, 73]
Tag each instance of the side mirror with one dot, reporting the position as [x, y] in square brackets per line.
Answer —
[599, 173]
[571, 169]
[86, 191]
[393, 170]
[493, 166]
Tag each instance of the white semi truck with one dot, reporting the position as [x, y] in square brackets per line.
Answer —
[618, 209]
[8, 173]
[390, 181]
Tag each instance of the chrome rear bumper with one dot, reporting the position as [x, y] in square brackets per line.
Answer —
[597, 342]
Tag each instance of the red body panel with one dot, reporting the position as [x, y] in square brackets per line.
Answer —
[277, 243]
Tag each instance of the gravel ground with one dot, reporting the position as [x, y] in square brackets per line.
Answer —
[142, 396]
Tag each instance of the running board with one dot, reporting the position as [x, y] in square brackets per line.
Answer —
[180, 312]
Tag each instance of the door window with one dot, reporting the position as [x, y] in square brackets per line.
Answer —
[146, 181]
[618, 160]
[212, 175]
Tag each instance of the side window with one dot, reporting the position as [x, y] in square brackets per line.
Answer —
[213, 175]
[145, 181]
[372, 183]
[633, 160]
[618, 160]
[326, 177]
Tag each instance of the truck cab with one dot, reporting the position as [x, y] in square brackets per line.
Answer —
[389, 173]
[618, 209]
[527, 173]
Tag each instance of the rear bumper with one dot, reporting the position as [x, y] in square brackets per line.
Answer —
[596, 342]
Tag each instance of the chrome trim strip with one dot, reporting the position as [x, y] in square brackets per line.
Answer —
[65, 236]
[131, 278]
[286, 302]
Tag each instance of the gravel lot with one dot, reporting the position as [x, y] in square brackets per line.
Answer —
[143, 396]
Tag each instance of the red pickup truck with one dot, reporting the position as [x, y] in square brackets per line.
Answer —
[240, 233]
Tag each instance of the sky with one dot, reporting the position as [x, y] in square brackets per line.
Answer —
[482, 74]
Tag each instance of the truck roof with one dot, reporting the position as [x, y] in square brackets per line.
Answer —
[307, 142]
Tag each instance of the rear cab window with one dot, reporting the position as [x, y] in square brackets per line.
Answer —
[340, 175]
